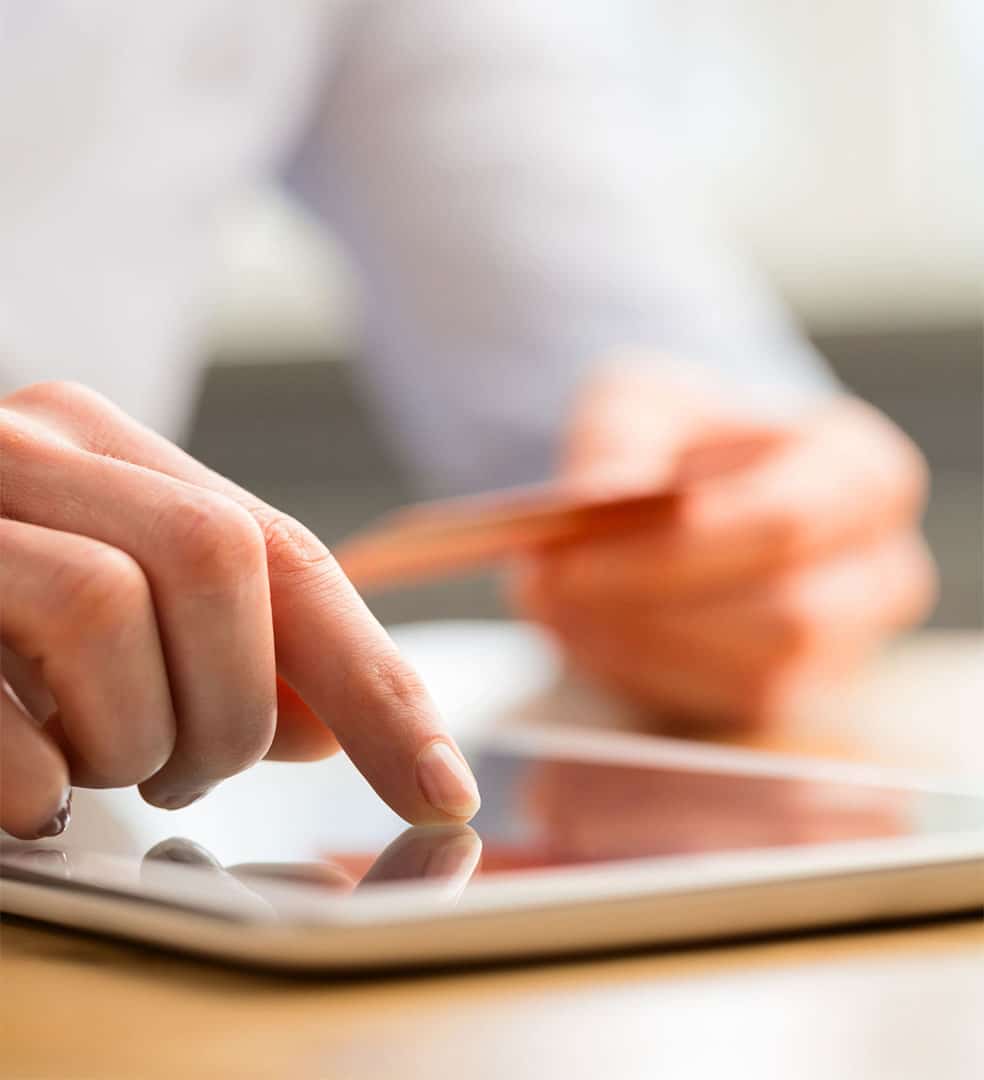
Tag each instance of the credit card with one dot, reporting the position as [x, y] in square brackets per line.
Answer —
[433, 539]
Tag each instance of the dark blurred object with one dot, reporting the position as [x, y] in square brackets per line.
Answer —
[299, 435]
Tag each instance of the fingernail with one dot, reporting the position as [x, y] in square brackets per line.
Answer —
[57, 825]
[179, 802]
[446, 781]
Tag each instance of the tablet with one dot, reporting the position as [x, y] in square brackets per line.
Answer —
[585, 841]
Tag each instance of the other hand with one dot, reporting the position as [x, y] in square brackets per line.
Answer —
[783, 571]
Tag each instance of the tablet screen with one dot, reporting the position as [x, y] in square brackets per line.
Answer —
[542, 812]
[542, 808]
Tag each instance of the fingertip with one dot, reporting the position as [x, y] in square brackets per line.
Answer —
[58, 822]
[446, 781]
[35, 791]
[38, 819]
[346, 669]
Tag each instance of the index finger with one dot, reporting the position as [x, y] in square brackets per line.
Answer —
[329, 646]
[333, 651]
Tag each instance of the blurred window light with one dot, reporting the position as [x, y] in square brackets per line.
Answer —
[843, 142]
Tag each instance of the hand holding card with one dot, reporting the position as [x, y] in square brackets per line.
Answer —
[451, 535]
[775, 573]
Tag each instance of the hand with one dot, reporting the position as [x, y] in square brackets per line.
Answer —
[163, 627]
[783, 570]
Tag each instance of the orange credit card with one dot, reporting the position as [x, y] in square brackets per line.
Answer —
[447, 536]
[433, 539]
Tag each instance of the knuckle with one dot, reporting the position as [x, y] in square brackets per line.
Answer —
[798, 631]
[238, 743]
[922, 581]
[913, 475]
[152, 746]
[19, 437]
[99, 588]
[15, 442]
[113, 757]
[56, 394]
[27, 446]
[386, 678]
[902, 470]
[789, 533]
[212, 538]
[292, 546]
[106, 763]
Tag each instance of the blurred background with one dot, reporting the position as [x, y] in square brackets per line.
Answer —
[841, 143]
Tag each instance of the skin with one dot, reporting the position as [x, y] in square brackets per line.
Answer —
[777, 571]
[163, 627]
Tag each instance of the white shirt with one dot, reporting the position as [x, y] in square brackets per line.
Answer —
[491, 167]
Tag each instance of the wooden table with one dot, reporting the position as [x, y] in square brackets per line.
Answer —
[896, 1003]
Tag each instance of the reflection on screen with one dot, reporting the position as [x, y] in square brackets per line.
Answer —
[549, 812]
[540, 813]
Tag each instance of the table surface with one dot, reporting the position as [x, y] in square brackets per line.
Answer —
[897, 1002]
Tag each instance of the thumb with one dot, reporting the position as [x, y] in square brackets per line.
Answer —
[628, 430]
[634, 430]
